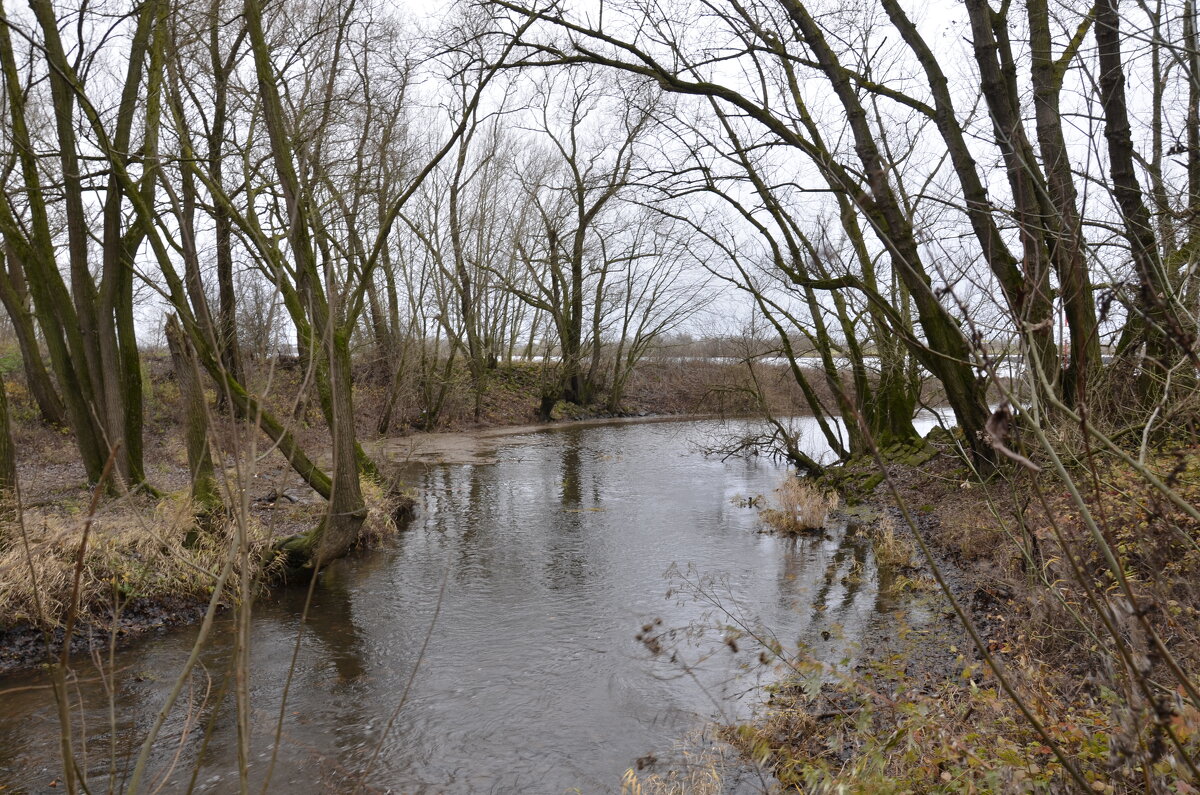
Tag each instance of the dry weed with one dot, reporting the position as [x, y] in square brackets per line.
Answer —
[384, 508]
[697, 771]
[892, 551]
[132, 553]
[800, 506]
[883, 730]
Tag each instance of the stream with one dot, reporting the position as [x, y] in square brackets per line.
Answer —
[542, 568]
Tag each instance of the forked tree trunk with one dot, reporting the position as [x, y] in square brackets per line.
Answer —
[15, 297]
[1065, 232]
[318, 320]
[948, 352]
[1025, 295]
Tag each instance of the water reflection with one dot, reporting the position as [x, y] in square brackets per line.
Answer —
[533, 680]
[339, 635]
[571, 487]
[844, 575]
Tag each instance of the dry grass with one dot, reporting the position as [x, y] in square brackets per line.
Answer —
[384, 508]
[150, 551]
[901, 724]
[702, 779]
[131, 553]
[897, 559]
[891, 727]
[698, 770]
[892, 551]
[800, 506]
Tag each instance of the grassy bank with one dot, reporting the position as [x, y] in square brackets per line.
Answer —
[1049, 699]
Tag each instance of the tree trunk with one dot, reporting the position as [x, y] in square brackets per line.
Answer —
[9, 504]
[1163, 327]
[226, 321]
[32, 246]
[193, 410]
[8, 458]
[347, 510]
[14, 296]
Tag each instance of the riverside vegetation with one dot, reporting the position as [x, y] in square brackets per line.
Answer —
[1028, 697]
[987, 209]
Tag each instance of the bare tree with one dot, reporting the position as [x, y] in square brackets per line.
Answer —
[89, 327]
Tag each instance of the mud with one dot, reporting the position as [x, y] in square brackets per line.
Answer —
[24, 646]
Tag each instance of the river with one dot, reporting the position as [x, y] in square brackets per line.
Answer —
[542, 566]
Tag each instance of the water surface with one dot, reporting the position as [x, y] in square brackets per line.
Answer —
[546, 565]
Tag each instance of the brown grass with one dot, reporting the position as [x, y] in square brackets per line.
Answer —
[800, 506]
[888, 732]
[892, 551]
[131, 553]
[899, 724]
[152, 551]
[697, 770]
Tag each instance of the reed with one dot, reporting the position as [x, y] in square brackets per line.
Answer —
[799, 506]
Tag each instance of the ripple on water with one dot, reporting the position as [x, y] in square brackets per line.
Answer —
[553, 557]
